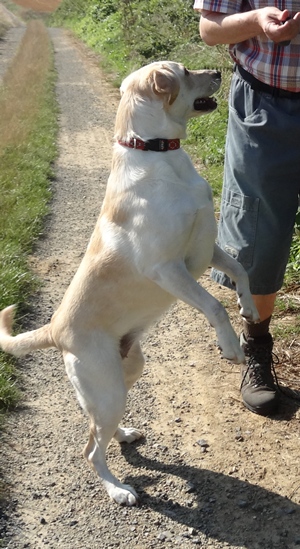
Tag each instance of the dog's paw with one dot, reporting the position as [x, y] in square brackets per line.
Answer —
[128, 434]
[231, 349]
[251, 316]
[124, 495]
[234, 355]
[249, 312]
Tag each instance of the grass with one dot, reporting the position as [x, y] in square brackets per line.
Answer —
[5, 20]
[28, 130]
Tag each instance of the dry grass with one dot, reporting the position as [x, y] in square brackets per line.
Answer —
[7, 20]
[3, 28]
[42, 6]
[19, 97]
[285, 328]
[28, 129]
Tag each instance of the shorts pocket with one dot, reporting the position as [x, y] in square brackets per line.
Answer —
[237, 226]
[246, 103]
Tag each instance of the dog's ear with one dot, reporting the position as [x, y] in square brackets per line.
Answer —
[166, 83]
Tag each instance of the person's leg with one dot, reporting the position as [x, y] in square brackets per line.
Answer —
[265, 305]
[257, 219]
[258, 389]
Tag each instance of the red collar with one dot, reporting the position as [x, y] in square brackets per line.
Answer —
[158, 145]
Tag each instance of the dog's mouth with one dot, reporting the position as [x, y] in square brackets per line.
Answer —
[205, 104]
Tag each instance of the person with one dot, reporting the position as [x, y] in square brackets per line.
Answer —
[262, 164]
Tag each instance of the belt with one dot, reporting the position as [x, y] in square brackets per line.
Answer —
[259, 86]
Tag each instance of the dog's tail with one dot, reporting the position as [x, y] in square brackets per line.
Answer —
[22, 344]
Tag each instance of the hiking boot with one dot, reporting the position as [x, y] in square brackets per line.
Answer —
[258, 388]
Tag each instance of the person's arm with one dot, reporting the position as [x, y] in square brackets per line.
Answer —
[220, 28]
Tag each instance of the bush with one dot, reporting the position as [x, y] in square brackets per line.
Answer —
[101, 10]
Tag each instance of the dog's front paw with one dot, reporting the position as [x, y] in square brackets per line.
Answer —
[124, 495]
[128, 434]
[229, 346]
[248, 311]
[234, 354]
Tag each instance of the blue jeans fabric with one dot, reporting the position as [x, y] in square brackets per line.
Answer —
[261, 185]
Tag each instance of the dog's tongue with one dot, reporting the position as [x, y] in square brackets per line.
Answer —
[204, 104]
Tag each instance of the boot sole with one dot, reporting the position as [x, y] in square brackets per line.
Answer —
[264, 411]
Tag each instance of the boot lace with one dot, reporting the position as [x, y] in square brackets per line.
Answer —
[260, 364]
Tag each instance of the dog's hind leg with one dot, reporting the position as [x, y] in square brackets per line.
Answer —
[96, 374]
[133, 365]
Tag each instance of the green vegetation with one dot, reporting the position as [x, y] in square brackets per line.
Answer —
[284, 331]
[27, 148]
[293, 267]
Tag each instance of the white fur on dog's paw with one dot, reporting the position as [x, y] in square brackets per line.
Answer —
[124, 496]
[231, 349]
[128, 434]
[250, 316]
[249, 312]
[235, 355]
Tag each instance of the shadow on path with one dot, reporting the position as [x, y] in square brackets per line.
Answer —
[224, 508]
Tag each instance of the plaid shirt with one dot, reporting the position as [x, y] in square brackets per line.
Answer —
[275, 65]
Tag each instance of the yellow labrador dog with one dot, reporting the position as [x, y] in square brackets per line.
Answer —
[155, 236]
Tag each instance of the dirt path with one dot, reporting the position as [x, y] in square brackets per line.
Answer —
[208, 472]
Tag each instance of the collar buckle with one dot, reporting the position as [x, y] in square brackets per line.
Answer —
[163, 145]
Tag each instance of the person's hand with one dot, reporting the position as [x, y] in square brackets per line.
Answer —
[278, 25]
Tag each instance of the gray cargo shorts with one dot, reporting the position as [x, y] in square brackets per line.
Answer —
[261, 185]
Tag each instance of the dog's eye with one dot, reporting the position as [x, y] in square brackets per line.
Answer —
[186, 72]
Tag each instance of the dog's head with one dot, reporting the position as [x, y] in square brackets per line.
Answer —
[158, 99]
